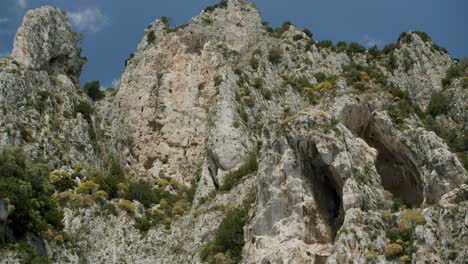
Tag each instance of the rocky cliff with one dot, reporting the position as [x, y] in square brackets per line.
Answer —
[262, 145]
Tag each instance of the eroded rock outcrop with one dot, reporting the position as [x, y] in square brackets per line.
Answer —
[337, 169]
[45, 41]
[39, 93]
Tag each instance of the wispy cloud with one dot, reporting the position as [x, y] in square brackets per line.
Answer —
[21, 3]
[370, 41]
[88, 19]
[4, 20]
[115, 83]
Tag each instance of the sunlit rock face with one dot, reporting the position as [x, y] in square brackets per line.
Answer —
[336, 174]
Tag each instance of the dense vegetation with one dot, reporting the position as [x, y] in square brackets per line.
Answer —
[25, 187]
[221, 4]
[93, 90]
[229, 237]
[459, 70]
[173, 197]
[233, 178]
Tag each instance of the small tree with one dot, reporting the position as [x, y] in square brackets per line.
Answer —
[439, 104]
[93, 90]
[85, 109]
[275, 55]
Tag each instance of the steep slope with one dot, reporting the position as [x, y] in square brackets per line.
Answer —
[39, 95]
[296, 151]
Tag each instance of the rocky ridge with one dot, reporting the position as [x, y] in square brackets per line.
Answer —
[345, 172]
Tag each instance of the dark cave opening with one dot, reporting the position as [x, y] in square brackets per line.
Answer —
[399, 175]
[328, 197]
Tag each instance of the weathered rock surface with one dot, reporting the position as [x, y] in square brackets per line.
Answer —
[45, 41]
[39, 93]
[194, 101]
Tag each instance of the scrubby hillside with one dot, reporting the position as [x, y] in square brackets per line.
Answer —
[228, 141]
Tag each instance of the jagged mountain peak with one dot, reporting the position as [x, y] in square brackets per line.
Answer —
[45, 41]
[240, 143]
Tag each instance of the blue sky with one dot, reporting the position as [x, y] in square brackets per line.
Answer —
[113, 28]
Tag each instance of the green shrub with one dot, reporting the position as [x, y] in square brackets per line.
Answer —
[242, 113]
[371, 255]
[25, 186]
[254, 63]
[258, 83]
[423, 35]
[229, 237]
[221, 4]
[408, 62]
[267, 93]
[150, 38]
[298, 37]
[325, 44]
[439, 48]
[360, 178]
[143, 224]
[85, 109]
[439, 104]
[411, 218]
[356, 73]
[297, 83]
[308, 33]
[393, 250]
[319, 90]
[93, 90]
[109, 182]
[452, 254]
[217, 80]
[142, 192]
[127, 206]
[64, 183]
[390, 48]
[275, 55]
[355, 47]
[249, 101]
[277, 32]
[374, 51]
[87, 187]
[341, 46]
[405, 38]
[100, 196]
[267, 26]
[464, 82]
[405, 259]
[27, 253]
[456, 71]
[165, 20]
[320, 77]
[391, 61]
[233, 178]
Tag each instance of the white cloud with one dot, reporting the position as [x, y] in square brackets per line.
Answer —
[370, 41]
[4, 20]
[21, 3]
[115, 83]
[88, 19]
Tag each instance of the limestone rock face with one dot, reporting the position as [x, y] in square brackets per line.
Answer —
[168, 94]
[39, 93]
[45, 41]
[343, 171]
[307, 181]
[419, 68]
